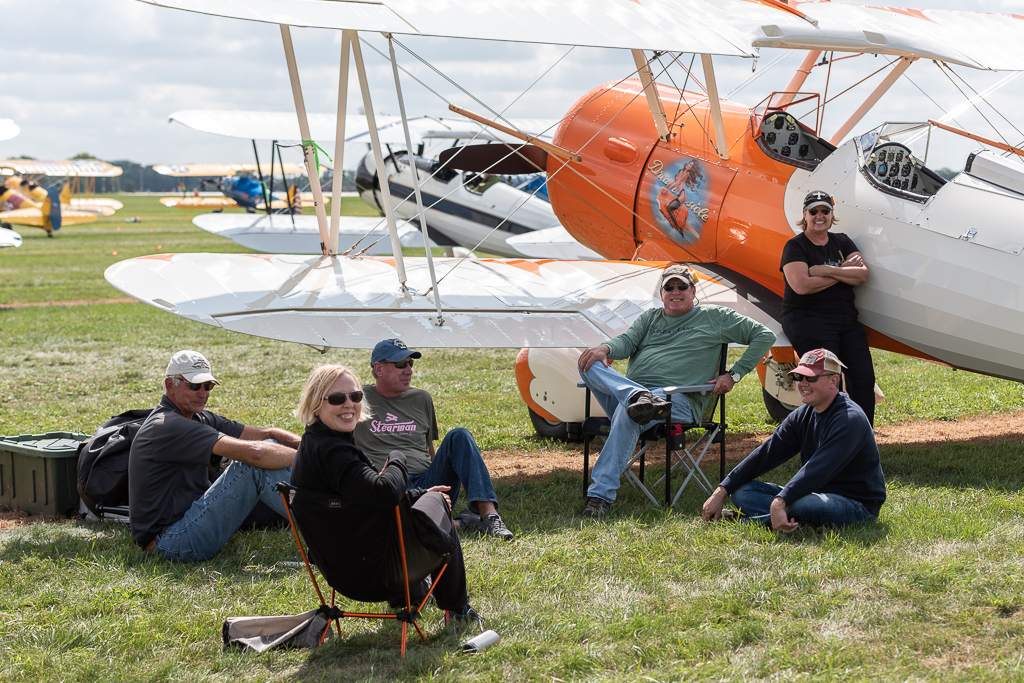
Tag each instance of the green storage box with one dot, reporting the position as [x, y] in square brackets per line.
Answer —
[39, 472]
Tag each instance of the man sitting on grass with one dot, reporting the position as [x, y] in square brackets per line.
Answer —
[840, 480]
[403, 420]
[175, 511]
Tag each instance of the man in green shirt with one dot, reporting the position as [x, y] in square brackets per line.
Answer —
[677, 345]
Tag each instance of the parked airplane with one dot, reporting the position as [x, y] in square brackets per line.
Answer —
[25, 202]
[946, 282]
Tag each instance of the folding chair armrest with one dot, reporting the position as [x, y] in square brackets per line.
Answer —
[580, 384]
[689, 389]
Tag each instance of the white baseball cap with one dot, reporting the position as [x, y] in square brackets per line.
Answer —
[191, 365]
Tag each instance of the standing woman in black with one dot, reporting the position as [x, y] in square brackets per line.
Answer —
[820, 269]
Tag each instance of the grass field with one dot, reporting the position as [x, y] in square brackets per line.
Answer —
[934, 591]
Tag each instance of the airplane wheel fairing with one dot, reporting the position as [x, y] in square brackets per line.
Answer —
[777, 410]
[548, 429]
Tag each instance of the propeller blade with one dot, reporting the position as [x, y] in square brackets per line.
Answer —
[503, 159]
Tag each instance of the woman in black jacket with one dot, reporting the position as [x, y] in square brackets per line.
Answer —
[329, 462]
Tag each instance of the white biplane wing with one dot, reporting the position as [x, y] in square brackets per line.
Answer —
[289, 234]
[8, 129]
[85, 168]
[273, 125]
[9, 238]
[283, 126]
[723, 27]
[355, 302]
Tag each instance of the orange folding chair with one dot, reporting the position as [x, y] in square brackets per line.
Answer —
[375, 574]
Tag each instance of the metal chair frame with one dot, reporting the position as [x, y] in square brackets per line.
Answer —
[409, 615]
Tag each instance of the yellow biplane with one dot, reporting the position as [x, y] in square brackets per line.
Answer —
[24, 201]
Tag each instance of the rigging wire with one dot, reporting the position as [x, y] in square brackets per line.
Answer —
[981, 96]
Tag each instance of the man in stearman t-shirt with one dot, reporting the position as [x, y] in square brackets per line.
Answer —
[404, 420]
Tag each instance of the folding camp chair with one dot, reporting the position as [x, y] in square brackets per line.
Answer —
[323, 519]
[677, 453]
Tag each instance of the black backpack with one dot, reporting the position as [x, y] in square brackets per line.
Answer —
[103, 460]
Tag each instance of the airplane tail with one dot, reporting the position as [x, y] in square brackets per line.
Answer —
[51, 213]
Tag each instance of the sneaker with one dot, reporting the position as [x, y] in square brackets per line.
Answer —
[645, 407]
[490, 524]
[467, 520]
[596, 507]
[464, 617]
[730, 515]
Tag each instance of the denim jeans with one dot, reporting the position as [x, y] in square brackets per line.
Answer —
[754, 499]
[613, 391]
[458, 463]
[210, 522]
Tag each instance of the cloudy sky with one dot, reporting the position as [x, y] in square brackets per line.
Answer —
[102, 76]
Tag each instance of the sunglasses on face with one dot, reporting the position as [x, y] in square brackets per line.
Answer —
[339, 399]
[674, 288]
[810, 379]
[401, 364]
[823, 211]
[196, 386]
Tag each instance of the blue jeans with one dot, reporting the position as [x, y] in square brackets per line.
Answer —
[215, 517]
[458, 463]
[754, 499]
[613, 391]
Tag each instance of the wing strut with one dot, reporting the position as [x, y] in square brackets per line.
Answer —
[339, 144]
[721, 144]
[799, 76]
[643, 69]
[863, 109]
[415, 182]
[308, 151]
[378, 157]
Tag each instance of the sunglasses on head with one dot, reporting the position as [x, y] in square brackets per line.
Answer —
[401, 364]
[674, 288]
[339, 399]
[823, 210]
[196, 386]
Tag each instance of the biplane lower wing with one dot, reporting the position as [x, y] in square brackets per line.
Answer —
[199, 202]
[349, 302]
[34, 217]
[9, 238]
[287, 234]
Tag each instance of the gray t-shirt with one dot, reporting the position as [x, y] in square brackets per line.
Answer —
[404, 423]
[168, 467]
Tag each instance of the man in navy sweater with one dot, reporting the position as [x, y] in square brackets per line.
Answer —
[840, 480]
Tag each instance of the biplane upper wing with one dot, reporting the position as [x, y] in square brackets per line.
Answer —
[85, 168]
[355, 302]
[8, 129]
[273, 125]
[283, 126]
[726, 27]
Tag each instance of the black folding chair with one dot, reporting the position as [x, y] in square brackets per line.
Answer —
[677, 453]
[368, 574]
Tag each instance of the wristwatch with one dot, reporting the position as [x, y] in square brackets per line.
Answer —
[736, 377]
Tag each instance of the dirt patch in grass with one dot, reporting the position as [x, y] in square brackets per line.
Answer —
[72, 302]
[517, 466]
[514, 466]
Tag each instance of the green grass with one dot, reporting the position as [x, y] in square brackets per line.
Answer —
[934, 591]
